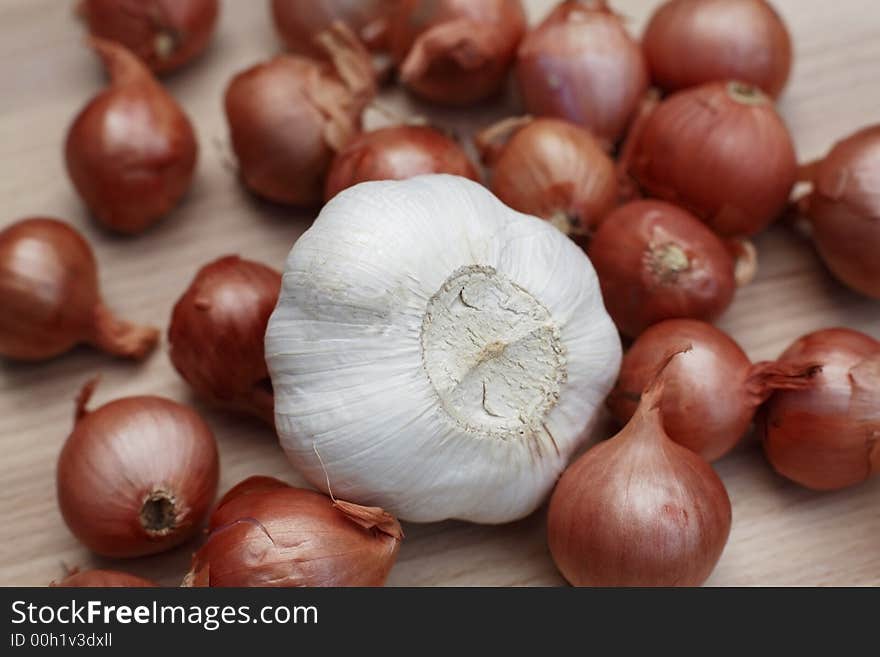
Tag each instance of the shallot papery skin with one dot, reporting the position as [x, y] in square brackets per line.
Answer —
[217, 332]
[690, 42]
[456, 52]
[253, 484]
[720, 151]
[50, 296]
[289, 116]
[286, 536]
[299, 21]
[656, 261]
[397, 153]
[552, 169]
[639, 510]
[711, 391]
[164, 34]
[136, 476]
[581, 64]
[826, 436]
[844, 210]
[102, 579]
[131, 152]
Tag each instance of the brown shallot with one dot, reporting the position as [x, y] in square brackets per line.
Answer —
[164, 34]
[581, 64]
[720, 151]
[217, 331]
[396, 153]
[456, 52]
[131, 151]
[136, 476]
[285, 536]
[825, 437]
[289, 116]
[711, 392]
[639, 509]
[51, 299]
[690, 42]
[553, 169]
[844, 210]
[655, 262]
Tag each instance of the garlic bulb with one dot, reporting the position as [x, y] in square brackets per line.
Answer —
[439, 354]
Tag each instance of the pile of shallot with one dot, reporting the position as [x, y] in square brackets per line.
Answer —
[650, 165]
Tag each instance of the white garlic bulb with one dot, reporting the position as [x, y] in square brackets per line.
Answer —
[439, 354]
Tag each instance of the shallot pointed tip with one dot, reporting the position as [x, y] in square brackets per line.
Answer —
[491, 140]
[84, 396]
[121, 64]
[122, 338]
[653, 394]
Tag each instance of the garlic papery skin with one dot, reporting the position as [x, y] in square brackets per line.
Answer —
[439, 354]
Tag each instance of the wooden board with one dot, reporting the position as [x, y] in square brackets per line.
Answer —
[781, 534]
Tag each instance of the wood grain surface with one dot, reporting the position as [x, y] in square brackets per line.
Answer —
[781, 534]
